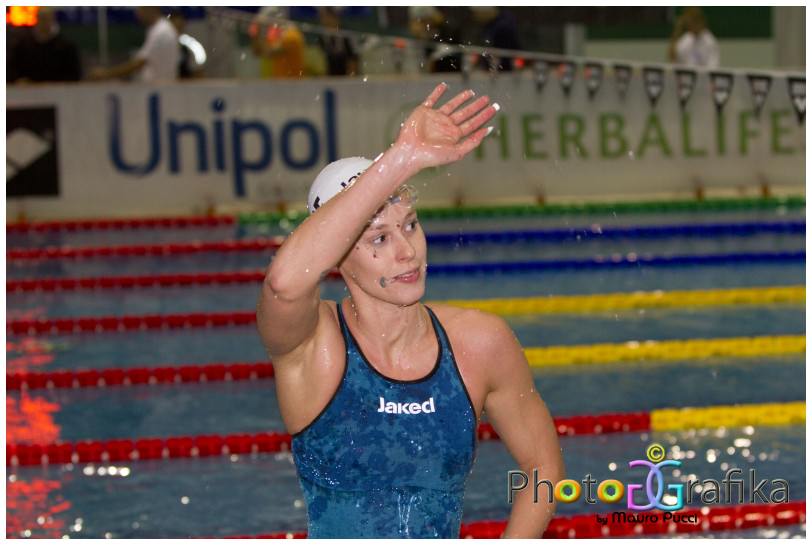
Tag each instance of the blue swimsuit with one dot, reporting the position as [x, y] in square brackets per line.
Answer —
[388, 458]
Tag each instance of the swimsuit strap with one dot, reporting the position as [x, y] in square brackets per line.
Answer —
[439, 332]
[345, 331]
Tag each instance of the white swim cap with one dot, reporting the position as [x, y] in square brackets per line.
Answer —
[333, 179]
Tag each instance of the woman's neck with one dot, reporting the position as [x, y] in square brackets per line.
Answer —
[391, 331]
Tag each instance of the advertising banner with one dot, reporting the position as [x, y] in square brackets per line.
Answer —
[102, 150]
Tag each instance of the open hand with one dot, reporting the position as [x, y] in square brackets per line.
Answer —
[435, 137]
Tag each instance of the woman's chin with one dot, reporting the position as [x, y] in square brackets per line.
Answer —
[405, 294]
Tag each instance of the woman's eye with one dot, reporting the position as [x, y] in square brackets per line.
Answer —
[379, 239]
[411, 226]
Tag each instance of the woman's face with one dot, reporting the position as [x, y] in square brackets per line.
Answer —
[388, 261]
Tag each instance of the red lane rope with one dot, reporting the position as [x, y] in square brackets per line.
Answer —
[67, 252]
[93, 324]
[108, 224]
[131, 376]
[145, 281]
[92, 451]
[708, 519]
[91, 378]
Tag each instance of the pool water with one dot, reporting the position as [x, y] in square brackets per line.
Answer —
[244, 495]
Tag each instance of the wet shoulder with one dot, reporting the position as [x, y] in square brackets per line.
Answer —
[478, 340]
[475, 333]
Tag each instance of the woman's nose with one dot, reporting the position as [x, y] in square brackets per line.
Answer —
[406, 250]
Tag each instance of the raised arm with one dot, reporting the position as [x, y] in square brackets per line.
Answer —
[288, 308]
[524, 424]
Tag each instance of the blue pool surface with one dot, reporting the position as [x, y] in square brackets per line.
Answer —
[250, 495]
[246, 495]
[167, 410]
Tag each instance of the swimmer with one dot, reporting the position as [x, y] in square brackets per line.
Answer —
[381, 393]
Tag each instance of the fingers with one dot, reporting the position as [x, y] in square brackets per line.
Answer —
[479, 119]
[471, 143]
[435, 95]
[471, 109]
[456, 102]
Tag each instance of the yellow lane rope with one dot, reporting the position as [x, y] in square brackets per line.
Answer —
[689, 349]
[560, 304]
[759, 414]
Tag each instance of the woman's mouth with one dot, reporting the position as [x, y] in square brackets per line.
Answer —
[407, 277]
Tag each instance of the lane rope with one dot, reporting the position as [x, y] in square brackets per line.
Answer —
[462, 238]
[579, 304]
[548, 304]
[555, 210]
[709, 205]
[141, 250]
[256, 276]
[134, 282]
[117, 224]
[134, 376]
[240, 277]
[537, 357]
[153, 448]
[684, 349]
[709, 230]
[719, 518]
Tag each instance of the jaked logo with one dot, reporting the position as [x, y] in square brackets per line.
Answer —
[406, 408]
[228, 139]
[655, 453]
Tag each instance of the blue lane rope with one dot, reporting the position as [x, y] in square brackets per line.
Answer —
[611, 262]
[633, 232]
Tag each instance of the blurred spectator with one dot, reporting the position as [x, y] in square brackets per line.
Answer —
[500, 30]
[158, 58]
[192, 52]
[43, 54]
[342, 60]
[692, 43]
[279, 44]
[428, 23]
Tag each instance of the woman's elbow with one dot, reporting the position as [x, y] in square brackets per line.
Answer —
[287, 285]
[278, 282]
